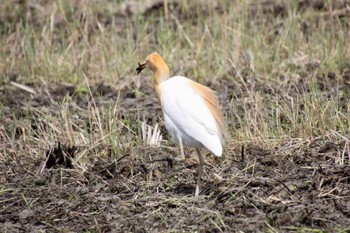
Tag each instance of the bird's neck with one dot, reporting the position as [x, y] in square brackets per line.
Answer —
[160, 75]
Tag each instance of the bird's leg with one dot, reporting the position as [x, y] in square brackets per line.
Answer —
[182, 156]
[200, 171]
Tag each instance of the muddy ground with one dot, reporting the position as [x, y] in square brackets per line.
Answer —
[252, 189]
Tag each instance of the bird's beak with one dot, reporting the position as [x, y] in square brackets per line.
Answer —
[141, 67]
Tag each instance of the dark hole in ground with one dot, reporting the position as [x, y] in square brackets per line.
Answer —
[61, 155]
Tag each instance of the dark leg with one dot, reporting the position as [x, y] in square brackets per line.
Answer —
[200, 171]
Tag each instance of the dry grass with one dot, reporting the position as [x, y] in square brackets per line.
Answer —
[294, 78]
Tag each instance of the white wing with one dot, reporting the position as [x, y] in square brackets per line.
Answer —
[185, 109]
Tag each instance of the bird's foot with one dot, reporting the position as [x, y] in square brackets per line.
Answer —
[177, 159]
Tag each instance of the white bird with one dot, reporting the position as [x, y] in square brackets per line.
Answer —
[191, 111]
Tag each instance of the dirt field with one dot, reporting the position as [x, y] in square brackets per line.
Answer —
[72, 160]
[298, 185]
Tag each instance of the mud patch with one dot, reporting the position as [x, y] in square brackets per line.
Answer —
[138, 195]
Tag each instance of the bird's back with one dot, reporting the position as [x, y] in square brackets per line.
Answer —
[191, 112]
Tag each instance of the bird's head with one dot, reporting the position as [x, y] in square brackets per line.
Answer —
[154, 62]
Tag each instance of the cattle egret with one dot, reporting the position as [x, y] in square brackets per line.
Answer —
[191, 111]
